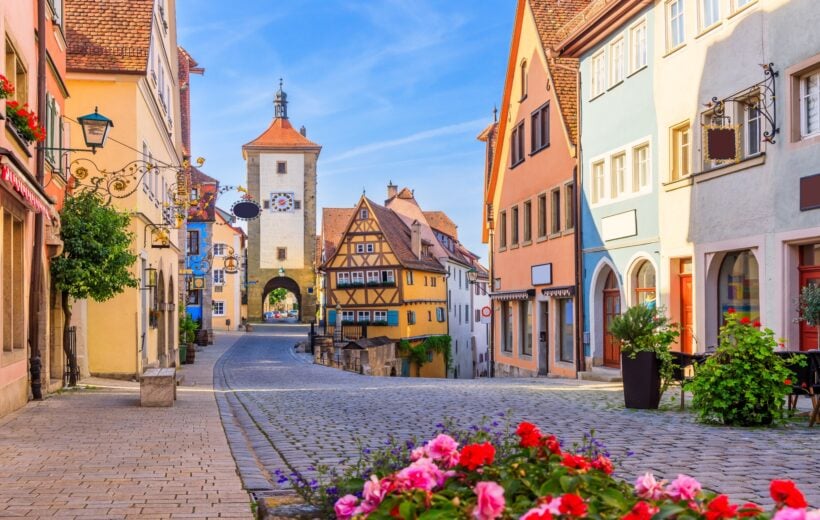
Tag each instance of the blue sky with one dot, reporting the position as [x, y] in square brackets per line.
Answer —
[392, 89]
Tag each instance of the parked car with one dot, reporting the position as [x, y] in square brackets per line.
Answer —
[293, 313]
[276, 315]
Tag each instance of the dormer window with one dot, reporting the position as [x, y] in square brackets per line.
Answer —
[363, 214]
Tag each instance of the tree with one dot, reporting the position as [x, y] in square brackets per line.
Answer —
[277, 296]
[96, 257]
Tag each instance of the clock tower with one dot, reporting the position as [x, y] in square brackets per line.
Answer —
[281, 176]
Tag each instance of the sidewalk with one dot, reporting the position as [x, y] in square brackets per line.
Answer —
[96, 453]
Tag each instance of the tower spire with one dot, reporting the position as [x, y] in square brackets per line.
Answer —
[280, 102]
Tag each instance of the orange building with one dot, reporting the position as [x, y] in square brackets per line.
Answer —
[531, 201]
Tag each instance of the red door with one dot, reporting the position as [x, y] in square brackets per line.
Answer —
[686, 315]
[809, 275]
[612, 308]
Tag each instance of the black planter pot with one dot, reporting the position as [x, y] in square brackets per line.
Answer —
[642, 380]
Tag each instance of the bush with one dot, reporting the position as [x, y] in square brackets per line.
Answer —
[744, 383]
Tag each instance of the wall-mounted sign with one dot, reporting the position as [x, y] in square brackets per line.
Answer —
[197, 282]
[559, 292]
[246, 209]
[231, 264]
[160, 238]
[722, 143]
[810, 192]
[621, 225]
[541, 274]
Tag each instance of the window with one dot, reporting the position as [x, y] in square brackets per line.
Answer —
[281, 253]
[542, 215]
[342, 279]
[514, 226]
[555, 217]
[523, 80]
[569, 204]
[680, 152]
[357, 277]
[57, 9]
[502, 239]
[645, 285]
[525, 322]
[637, 42]
[363, 214]
[373, 277]
[616, 61]
[506, 326]
[675, 28]
[440, 317]
[360, 248]
[411, 317]
[432, 281]
[640, 167]
[409, 277]
[617, 175]
[218, 308]
[740, 4]
[750, 120]
[369, 247]
[348, 316]
[527, 224]
[458, 309]
[363, 316]
[193, 242]
[388, 276]
[16, 74]
[14, 333]
[598, 73]
[517, 144]
[709, 13]
[281, 167]
[566, 328]
[54, 132]
[540, 128]
[219, 249]
[597, 181]
[379, 316]
[219, 276]
[738, 286]
[810, 104]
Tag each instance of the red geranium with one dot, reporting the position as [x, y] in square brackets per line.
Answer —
[572, 505]
[749, 509]
[720, 508]
[529, 433]
[474, 455]
[745, 320]
[757, 323]
[578, 462]
[730, 310]
[784, 492]
[787, 382]
[6, 88]
[603, 464]
[552, 444]
[641, 511]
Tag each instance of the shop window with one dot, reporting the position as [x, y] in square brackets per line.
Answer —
[525, 323]
[565, 329]
[506, 327]
[13, 285]
[738, 285]
[645, 285]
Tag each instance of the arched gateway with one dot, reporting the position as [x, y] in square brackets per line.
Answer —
[281, 175]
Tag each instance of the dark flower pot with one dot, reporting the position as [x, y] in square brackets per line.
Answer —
[190, 354]
[642, 380]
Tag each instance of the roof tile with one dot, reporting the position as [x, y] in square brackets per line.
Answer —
[281, 134]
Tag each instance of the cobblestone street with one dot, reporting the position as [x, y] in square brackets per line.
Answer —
[292, 413]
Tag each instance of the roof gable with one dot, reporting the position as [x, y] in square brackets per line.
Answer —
[281, 134]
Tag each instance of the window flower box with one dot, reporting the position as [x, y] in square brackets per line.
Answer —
[24, 123]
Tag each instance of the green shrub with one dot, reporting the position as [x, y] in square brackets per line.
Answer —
[744, 383]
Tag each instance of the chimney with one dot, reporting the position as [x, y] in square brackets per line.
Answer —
[415, 239]
[303, 131]
[392, 190]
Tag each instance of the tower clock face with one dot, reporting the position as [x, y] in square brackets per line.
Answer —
[282, 202]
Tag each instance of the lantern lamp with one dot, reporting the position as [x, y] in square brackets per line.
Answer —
[95, 129]
[149, 278]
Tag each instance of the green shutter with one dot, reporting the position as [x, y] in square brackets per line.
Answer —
[331, 317]
[393, 318]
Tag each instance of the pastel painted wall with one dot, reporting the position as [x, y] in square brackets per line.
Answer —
[282, 229]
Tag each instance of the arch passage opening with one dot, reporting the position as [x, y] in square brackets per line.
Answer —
[281, 300]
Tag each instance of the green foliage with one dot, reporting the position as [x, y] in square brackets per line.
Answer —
[277, 295]
[187, 329]
[645, 329]
[744, 382]
[418, 353]
[96, 257]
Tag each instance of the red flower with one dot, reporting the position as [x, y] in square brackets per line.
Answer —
[529, 433]
[730, 310]
[603, 464]
[572, 505]
[552, 444]
[787, 382]
[745, 320]
[749, 509]
[474, 455]
[720, 509]
[578, 462]
[641, 511]
[757, 323]
[784, 492]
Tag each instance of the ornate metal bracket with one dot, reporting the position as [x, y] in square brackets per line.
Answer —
[760, 96]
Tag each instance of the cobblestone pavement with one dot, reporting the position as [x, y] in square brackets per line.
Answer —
[284, 412]
[96, 454]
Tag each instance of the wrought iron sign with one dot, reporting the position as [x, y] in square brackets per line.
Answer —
[721, 138]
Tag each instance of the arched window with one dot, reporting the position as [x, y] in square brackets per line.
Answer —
[645, 285]
[523, 79]
[738, 285]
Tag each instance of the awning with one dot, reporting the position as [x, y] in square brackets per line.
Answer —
[505, 296]
[559, 292]
[26, 190]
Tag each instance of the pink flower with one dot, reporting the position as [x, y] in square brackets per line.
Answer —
[790, 513]
[418, 453]
[422, 474]
[444, 449]
[814, 514]
[345, 507]
[374, 492]
[683, 488]
[647, 487]
[537, 513]
[490, 504]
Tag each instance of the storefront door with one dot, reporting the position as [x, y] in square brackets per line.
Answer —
[612, 308]
[686, 314]
[809, 275]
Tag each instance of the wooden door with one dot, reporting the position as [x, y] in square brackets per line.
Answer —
[686, 314]
[809, 275]
[612, 308]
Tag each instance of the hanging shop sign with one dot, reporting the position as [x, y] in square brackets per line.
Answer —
[246, 209]
[231, 264]
[722, 143]
[160, 238]
[21, 186]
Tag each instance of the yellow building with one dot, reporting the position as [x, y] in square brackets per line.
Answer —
[228, 274]
[381, 276]
[123, 59]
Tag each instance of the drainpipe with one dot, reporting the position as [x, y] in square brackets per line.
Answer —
[492, 305]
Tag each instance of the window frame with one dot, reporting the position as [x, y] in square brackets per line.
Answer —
[379, 316]
[540, 128]
[357, 277]
[676, 156]
[217, 304]
[359, 315]
[620, 55]
[555, 213]
[641, 180]
[542, 215]
[193, 238]
[803, 96]
[526, 228]
[671, 45]
[569, 206]
[502, 239]
[598, 76]
[517, 145]
[617, 178]
[514, 226]
[219, 276]
[525, 320]
[715, 4]
[524, 79]
[598, 180]
[281, 167]
[342, 279]
[639, 27]
[281, 254]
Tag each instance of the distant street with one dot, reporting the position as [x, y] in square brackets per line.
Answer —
[281, 412]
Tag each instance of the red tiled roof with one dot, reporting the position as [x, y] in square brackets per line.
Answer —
[334, 223]
[108, 35]
[200, 177]
[439, 220]
[398, 236]
[281, 134]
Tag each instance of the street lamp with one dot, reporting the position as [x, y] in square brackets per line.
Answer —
[472, 275]
[95, 129]
[149, 278]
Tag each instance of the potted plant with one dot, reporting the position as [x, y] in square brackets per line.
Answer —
[187, 329]
[25, 122]
[646, 363]
[809, 307]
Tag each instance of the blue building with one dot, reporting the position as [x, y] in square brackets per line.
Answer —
[199, 248]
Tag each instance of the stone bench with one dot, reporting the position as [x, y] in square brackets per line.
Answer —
[158, 387]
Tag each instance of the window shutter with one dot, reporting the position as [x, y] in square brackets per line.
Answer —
[331, 317]
[393, 318]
